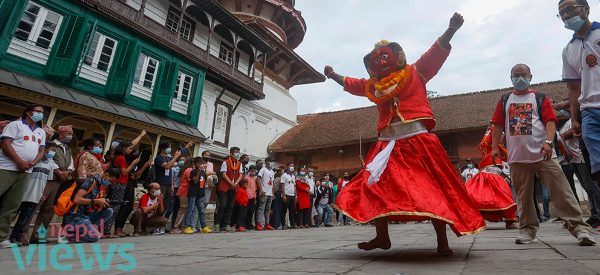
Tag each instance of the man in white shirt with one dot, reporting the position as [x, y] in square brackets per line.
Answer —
[530, 153]
[266, 177]
[23, 143]
[288, 180]
[581, 71]
[470, 171]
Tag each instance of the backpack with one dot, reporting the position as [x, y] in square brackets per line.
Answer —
[64, 203]
[539, 99]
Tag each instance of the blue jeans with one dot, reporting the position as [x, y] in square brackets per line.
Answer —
[590, 128]
[193, 204]
[87, 228]
[25, 214]
[276, 206]
[328, 214]
[546, 196]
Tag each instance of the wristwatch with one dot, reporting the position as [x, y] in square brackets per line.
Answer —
[549, 142]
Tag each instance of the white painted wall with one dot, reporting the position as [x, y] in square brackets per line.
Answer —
[157, 10]
[255, 124]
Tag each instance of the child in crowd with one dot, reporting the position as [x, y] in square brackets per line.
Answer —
[241, 198]
[196, 197]
[42, 172]
[182, 194]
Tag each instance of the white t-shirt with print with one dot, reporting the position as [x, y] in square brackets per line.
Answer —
[289, 184]
[469, 173]
[267, 177]
[25, 141]
[581, 59]
[524, 130]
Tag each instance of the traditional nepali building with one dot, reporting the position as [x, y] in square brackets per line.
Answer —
[180, 69]
[331, 142]
[230, 120]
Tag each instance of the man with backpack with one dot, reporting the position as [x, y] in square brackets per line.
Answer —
[86, 211]
[529, 124]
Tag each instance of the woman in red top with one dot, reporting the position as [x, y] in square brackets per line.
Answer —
[408, 176]
[182, 194]
[241, 198]
[303, 195]
[117, 189]
[489, 190]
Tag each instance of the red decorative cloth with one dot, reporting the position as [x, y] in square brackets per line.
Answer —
[302, 193]
[490, 192]
[419, 183]
[492, 196]
[241, 196]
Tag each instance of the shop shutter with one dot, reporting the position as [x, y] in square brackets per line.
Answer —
[65, 56]
[163, 95]
[10, 14]
[121, 74]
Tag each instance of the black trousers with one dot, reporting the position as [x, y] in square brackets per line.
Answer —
[126, 208]
[290, 207]
[304, 217]
[225, 202]
[242, 210]
[250, 212]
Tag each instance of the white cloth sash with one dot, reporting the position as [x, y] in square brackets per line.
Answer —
[396, 131]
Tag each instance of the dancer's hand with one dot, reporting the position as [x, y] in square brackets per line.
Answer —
[328, 70]
[456, 21]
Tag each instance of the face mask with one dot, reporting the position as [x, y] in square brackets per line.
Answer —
[50, 154]
[180, 163]
[156, 193]
[97, 150]
[574, 23]
[236, 156]
[68, 139]
[469, 166]
[168, 150]
[302, 174]
[37, 116]
[520, 83]
[291, 169]
[206, 158]
[326, 178]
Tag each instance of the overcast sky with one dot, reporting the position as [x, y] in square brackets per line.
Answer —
[496, 35]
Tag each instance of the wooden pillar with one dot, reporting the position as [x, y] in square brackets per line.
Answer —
[52, 115]
[109, 137]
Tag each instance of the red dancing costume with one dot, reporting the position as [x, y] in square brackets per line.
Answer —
[412, 179]
[488, 190]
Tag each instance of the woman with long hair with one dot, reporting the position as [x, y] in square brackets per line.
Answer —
[117, 189]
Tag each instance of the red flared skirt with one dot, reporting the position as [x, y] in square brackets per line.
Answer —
[419, 183]
[492, 196]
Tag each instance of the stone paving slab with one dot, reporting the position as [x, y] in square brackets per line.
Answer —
[333, 251]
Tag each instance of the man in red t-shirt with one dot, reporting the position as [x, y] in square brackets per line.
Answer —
[149, 213]
[529, 137]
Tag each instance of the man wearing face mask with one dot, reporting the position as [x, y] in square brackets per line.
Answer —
[582, 74]
[163, 164]
[231, 175]
[64, 159]
[470, 171]
[23, 143]
[529, 124]
[150, 211]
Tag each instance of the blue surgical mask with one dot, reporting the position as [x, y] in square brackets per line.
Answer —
[168, 150]
[302, 174]
[469, 166]
[180, 163]
[291, 169]
[97, 150]
[520, 83]
[37, 116]
[574, 23]
[50, 154]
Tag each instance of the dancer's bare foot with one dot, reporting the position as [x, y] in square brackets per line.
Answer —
[444, 251]
[375, 243]
[511, 225]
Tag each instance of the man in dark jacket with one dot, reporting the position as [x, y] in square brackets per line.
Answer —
[324, 200]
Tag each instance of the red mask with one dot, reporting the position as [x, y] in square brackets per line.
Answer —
[383, 62]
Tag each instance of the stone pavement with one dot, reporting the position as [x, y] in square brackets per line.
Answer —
[333, 251]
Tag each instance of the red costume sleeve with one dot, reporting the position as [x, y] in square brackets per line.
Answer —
[548, 113]
[431, 62]
[355, 86]
[498, 117]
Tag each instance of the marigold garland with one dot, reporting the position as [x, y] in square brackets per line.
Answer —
[399, 78]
